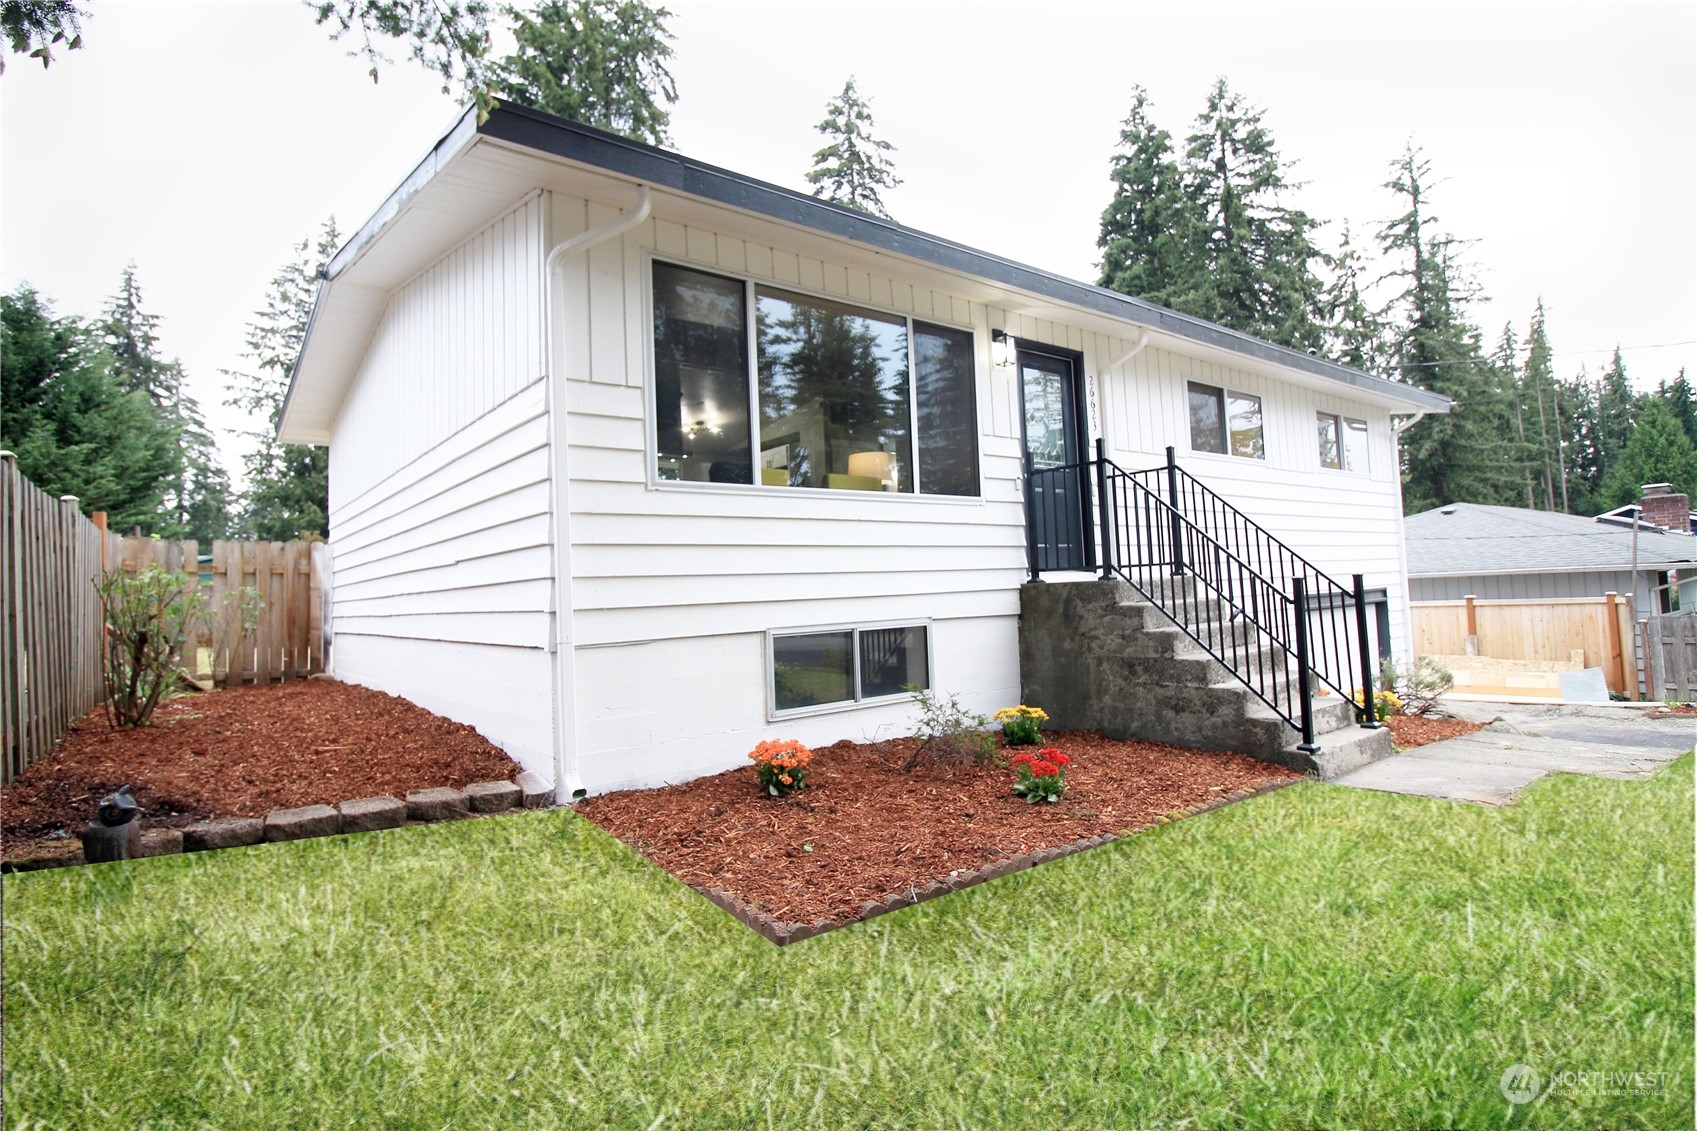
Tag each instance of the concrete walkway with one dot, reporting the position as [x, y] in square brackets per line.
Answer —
[1522, 743]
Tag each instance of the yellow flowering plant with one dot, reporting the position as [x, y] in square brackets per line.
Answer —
[782, 765]
[1022, 725]
[1385, 703]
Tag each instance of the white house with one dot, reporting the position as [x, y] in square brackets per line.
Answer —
[636, 461]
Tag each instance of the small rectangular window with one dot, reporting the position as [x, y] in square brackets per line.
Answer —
[812, 669]
[1244, 412]
[1354, 445]
[1331, 452]
[845, 666]
[1207, 418]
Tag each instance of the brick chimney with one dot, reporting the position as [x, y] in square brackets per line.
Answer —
[1666, 508]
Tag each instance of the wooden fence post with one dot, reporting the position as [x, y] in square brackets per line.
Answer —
[1621, 618]
[1470, 642]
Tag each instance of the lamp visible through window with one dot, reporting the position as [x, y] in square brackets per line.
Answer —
[874, 465]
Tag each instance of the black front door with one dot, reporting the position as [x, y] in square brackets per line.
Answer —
[1049, 389]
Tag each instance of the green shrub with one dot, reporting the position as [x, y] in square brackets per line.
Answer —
[148, 617]
[948, 732]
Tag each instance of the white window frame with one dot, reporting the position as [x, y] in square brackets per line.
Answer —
[773, 714]
[750, 298]
[1226, 393]
[1343, 422]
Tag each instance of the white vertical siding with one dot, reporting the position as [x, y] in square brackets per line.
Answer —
[439, 509]
[455, 341]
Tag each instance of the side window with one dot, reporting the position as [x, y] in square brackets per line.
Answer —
[1331, 449]
[701, 431]
[948, 419]
[1225, 421]
[1354, 445]
[1207, 418]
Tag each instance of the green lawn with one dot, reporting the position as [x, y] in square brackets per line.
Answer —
[1315, 957]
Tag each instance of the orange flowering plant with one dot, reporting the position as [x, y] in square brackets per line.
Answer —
[1042, 776]
[781, 764]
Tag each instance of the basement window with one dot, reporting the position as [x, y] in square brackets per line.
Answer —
[840, 667]
[1225, 421]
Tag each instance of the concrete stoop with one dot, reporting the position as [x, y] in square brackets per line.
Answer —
[1096, 656]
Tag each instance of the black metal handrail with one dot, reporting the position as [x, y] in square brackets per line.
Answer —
[1251, 602]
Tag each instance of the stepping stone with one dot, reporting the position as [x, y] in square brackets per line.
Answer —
[300, 824]
[229, 832]
[440, 804]
[492, 796]
[161, 842]
[370, 813]
[534, 793]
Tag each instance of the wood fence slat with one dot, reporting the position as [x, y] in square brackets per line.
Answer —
[52, 630]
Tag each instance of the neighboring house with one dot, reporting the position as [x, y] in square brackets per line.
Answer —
[636, 461]
[1465, 549]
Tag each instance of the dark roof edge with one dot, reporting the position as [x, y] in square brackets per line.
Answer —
[560, 137]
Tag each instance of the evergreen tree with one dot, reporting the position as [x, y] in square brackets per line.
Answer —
[287, 484]
[197, 495]
[36, 27]
[1578, 399]
[1681, 403]
[1538, 390]
[1353, 330]
[1617, 412]
[855, 165]
[1468, 454]
[75, 428]
[1658, 452]
[600, 62]
[1146, 227]
[450, 37]
[1256, 272]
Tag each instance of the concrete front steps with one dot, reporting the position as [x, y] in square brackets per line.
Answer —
[1096, 656]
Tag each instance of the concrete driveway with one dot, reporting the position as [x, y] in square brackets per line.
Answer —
[1522, 743]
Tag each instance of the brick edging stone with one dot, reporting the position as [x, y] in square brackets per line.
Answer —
[364, 814]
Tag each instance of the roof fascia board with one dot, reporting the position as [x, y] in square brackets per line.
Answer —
[1622, 567]
[600, 150]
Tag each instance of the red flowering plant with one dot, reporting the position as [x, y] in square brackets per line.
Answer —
[782, 765]
[1042, 776]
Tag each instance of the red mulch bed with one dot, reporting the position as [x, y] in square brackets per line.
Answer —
[243, 752]
[864, 829]
[1417, 730]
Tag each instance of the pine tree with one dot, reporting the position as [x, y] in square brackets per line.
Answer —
[1147, 223]
[599, 62]
[287, 492]
[855, 165]
[1257, 273]
[1681, 403]
[1537, 385]
[1617, 412]
[197, 495]
[75, 428]
[1578, 399]
[1659, 452]
[1354, 331]
[1468, 454]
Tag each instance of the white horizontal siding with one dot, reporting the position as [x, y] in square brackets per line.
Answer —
[454, 342]
[674, 563]
[443, 578]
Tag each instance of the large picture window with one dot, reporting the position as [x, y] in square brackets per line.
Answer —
[834, 396]
[847, 665]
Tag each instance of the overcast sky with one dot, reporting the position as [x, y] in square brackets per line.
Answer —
[204, 140]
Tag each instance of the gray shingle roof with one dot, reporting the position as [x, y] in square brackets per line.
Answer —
[1472, 539]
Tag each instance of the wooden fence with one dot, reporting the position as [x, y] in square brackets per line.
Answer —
[52, 626]
[1545, 629]
[1670, 655]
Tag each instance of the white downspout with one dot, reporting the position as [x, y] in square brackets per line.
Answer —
[1136, 348]
[568, 786]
